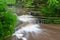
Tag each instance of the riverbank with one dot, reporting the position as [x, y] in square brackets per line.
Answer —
[51, 26]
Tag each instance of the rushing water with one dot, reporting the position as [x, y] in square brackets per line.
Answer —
[30, 25]
[27, 18]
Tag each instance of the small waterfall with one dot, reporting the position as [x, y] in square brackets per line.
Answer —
[29, 25]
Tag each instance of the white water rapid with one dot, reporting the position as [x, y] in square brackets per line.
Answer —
[31, 27]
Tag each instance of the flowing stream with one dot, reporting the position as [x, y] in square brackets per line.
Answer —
[29, 25]
[30, 29]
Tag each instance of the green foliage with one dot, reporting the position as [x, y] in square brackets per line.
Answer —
[51, 9]
[3, 6]
[52, 21]
[7, 21]
[48, 11]
[29, 3]
[10, 1]
[53, 3]
[20, 3]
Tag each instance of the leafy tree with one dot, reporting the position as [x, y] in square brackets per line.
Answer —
[51, 8]
[7, 21]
